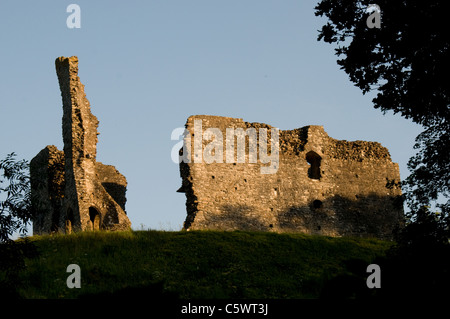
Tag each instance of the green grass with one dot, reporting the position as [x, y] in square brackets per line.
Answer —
[198, 264]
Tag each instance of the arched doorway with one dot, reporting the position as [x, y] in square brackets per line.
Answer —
[94, 216]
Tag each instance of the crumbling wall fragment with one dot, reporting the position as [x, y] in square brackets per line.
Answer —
[47, 188]
[94, 193]
[322, 185]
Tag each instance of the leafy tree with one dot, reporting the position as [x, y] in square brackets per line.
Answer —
[15, 213]
[15, 209]
[430, 168]
[407, 62]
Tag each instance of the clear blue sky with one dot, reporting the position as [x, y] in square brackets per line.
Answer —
[149, 65]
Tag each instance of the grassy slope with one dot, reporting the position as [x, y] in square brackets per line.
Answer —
[204, 264]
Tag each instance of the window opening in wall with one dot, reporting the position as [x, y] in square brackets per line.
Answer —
[313, 160]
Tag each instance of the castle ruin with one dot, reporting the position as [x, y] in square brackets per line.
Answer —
[297, 180]
[70, 190]
[320, 185]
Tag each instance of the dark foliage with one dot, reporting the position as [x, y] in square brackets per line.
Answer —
[15, 209]
[406, 62]
[406, 59]
[15, 214]
[430, 167]
[418, 266]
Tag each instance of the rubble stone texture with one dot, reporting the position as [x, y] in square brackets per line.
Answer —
[322, 186]
[70, 190]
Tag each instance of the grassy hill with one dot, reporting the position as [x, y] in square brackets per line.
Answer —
[199, 264]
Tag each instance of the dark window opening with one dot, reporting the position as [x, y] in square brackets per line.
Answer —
[94, 216]
[313, 160]
[317, 204]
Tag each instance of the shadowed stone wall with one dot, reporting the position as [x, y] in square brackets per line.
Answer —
[321, 186]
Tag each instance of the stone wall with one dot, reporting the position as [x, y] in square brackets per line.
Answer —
[94, 193]
[47, 186]
[321, 185]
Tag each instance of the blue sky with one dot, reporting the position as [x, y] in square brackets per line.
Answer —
[148, 65]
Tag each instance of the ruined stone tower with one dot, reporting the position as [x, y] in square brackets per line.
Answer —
[316, 185]
[70, 189]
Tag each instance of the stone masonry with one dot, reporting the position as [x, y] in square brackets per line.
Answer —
[322, 185]
[70, 190]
